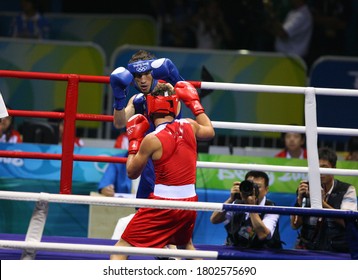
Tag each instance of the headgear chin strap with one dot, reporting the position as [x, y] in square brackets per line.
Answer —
[159, 104]
[140, 67]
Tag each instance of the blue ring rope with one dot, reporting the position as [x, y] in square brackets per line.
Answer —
[291, 210]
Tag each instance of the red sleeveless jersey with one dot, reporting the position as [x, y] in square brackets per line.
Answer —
[152, 227]
[177, 165]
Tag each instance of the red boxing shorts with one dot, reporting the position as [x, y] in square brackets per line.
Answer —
[151, 227]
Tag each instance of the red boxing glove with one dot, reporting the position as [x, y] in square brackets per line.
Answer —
[187, 92]
[137, 126]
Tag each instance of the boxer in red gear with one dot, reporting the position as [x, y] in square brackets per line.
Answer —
[172, 147]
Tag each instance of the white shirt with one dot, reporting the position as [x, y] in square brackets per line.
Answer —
[288, 155]
[298, 25]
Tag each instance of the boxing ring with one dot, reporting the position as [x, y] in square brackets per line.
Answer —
[36, 246]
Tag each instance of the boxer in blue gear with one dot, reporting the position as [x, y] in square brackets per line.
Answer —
[146, 71]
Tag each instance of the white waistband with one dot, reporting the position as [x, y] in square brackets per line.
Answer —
[184, 191]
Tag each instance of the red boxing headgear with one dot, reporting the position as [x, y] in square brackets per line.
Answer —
[162, 104]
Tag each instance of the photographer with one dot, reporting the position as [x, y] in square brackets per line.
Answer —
[250, 230]
[323, 233]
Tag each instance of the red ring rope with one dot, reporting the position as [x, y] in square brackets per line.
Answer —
[70, 116]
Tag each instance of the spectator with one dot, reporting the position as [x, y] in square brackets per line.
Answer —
[324, 233]
[294, 146]
[30, 23]
[115, 180]
[8, 134]
[250, 230]
[122, 141]
[353, 148]
[293, 35]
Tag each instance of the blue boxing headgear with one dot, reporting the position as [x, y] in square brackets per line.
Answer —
[141, 67]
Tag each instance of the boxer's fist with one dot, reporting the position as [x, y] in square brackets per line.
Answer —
[188, 94]
[140, 104]
[120, 79]
[164, 69]
[137, 126]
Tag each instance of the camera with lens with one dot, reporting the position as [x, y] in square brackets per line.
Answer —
[248, 188]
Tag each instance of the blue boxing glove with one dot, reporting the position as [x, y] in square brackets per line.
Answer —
[164, 69]
[140, 104]
[120, 79]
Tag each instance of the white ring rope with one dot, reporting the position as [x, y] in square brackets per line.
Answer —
[277, 89]
[106, 249]
[153, 203]
[283, 128]
[274, 168]
[110, 201]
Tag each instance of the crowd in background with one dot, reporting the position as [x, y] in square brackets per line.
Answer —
[231, 25]
[224, 25]
[244, 24]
